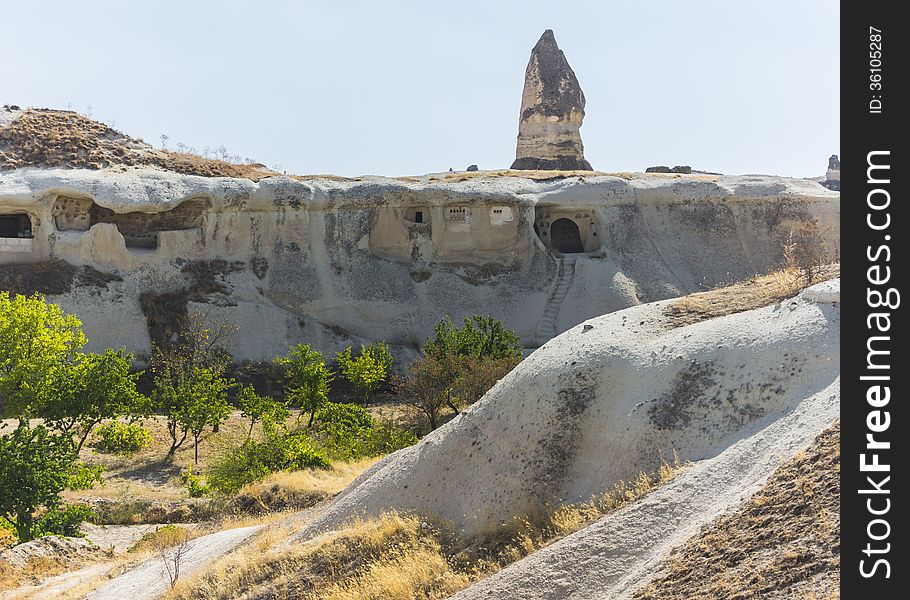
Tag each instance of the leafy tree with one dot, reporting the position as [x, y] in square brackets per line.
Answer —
[260, 408]
[36, 465]
[190, 386]
[36, 338]
[481, 336]
[307, 380]
[368, 369]
[460, 365]
[429, 386]
[91, 389]
[198, 400]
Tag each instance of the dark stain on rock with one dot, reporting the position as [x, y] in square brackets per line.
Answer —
[556, 452]
[52, 278]
[673, 410]
[206, 277]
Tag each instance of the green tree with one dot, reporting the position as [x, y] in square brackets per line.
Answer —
[429, 386]
[190, 386]
[258, 408]
[36, 465]
[91, 389]
[460, 365]
[193, 398]
[307, 379]
[36, 338]
[481, 336]
[368, 369]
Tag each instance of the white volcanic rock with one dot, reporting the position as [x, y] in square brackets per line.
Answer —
[552, 111]
[335, 262]
[601, 403]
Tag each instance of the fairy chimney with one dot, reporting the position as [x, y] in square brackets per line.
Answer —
[552, 109]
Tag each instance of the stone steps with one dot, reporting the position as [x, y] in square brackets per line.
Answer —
[546, 327]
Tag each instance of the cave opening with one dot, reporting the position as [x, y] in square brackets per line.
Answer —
[565, 236]
[15, 226]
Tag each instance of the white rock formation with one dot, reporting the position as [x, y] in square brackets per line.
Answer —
[552, 111]
[340, 261]
[601, 403]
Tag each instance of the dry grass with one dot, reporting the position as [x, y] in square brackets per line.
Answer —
[145, 488]
[60, 138]
[35, 569]
[400, 556]
[748, 295]
[295, 490]
[782, 543]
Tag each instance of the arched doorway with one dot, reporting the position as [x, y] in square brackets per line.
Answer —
[565, 237]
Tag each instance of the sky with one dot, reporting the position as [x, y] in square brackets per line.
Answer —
[404, 88]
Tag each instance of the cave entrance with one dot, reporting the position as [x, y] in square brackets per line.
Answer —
[565, 236]
[15, 226]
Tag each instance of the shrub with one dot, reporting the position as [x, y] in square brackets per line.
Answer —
[8, 536]
[194, 484]
[480, 336]
[121, 438]
[348, 432]
[253, 460]
[64, 521]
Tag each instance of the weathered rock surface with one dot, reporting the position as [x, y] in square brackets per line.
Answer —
[336, 262]
[552, 110]
[604, 401]
[832, 175]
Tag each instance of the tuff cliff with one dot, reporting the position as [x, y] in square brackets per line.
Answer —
[331, 260]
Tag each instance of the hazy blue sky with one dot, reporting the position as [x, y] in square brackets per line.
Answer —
[398, 88]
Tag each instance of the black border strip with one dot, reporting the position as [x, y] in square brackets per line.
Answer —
[873, 129]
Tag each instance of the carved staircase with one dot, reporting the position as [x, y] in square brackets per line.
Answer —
[546, 327]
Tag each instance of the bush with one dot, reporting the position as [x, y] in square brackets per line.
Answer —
[349, 432]
[162, 537]
[121, 438]
[480, 336]
[8, 537]
[64, 522]
[253, 460]
[194, 484]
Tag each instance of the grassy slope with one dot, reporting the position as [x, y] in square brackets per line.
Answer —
[783, 543]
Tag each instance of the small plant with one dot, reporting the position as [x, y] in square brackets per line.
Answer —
[368, 369]
[65, 521]
[194, 484]
[121, 438]
[170, 544]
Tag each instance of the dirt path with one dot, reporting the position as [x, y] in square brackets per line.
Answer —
[54, 586]
[121, 537]
[149, 580]
[613, 557]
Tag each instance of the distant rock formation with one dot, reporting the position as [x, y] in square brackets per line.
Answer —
[832, 176]
[684, 169]
[552, 110]
[471, 168]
